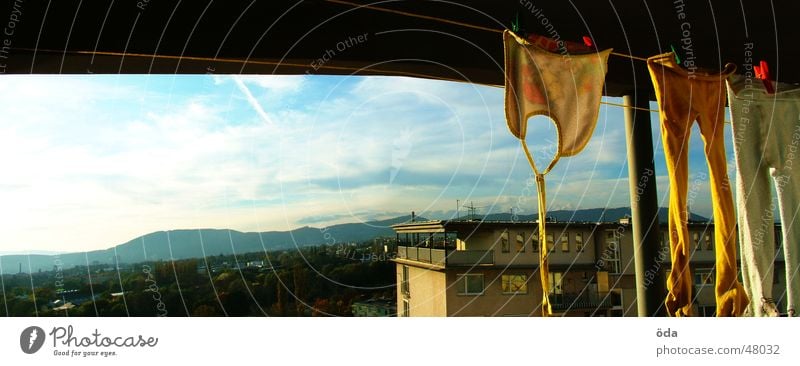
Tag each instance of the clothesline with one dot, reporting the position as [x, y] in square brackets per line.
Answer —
[615, 104]
[630, 106]
[277, 63]
[448, 21]
[240, 61]
[640, 108]
[473, 26]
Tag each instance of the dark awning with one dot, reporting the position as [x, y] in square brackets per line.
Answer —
[434, 39]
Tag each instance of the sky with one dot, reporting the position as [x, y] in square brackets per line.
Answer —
[89, 162]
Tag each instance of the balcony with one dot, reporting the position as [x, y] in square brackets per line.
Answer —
[586, 300]
[446, 257]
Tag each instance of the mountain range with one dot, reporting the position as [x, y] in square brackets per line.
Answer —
[198, 243]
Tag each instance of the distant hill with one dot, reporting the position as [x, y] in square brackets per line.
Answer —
[197, 243]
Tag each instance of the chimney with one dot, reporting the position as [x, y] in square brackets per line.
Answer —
[413, 216]
[20, 267]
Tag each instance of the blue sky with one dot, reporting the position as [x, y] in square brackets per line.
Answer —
[89, 162]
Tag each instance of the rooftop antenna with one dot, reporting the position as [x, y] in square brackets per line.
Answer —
[472, 208]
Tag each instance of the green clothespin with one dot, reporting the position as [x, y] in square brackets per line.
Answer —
[515, 24]
[677, 58]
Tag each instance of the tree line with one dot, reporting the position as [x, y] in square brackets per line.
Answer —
[313, 281]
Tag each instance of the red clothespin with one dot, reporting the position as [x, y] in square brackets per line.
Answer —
[762, 73]
[587, 41]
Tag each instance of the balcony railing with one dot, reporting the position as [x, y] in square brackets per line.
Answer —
[449, 257]
[586, 300]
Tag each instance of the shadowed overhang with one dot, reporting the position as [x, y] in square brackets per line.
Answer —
[430, 39]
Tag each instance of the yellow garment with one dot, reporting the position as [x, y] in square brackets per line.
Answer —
[682, 98]
[567, 88]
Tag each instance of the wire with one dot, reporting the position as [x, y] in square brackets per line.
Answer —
[601, 102]
[261, 62]
[629, 106]
[413, 15]
[641, 109]
[253, 62]
[629, 56]
[277, 63]
[467, 25]
[447, 21]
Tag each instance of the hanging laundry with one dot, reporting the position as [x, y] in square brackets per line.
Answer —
[564, 87]
[684, 97]
[766, 135]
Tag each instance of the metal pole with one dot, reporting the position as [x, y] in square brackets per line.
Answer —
[650, 293]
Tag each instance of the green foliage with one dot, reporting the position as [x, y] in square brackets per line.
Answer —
[313, 281]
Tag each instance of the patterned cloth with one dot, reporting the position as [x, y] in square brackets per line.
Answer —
[563, 86]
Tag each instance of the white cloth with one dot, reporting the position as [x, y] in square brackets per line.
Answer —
[766, 135]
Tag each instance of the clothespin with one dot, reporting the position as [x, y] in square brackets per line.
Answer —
[762, 73]
[759, 73]
[587, 41]
[674, 52]
[515, 24]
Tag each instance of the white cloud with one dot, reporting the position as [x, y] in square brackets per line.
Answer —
[252, 100]
[159, 171]
[86, 163]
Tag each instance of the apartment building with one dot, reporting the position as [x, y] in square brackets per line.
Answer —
[483, 268]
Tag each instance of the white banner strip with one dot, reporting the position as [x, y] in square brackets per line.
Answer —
[398, 341]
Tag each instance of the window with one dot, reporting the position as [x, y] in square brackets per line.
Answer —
[470, 284]
[707, 240]
[406, 308]
[579, 242]
[535, 241]
[515, 284]
[696, 240]
[610, 254]
[404, 285]
[704, 277]
[550, 243]
[565, 242]
[555, 283]
[504, 242]
[521, 242]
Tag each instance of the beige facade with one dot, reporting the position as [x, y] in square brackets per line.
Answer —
[429, 289]
[471, 268]
[494, 300]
